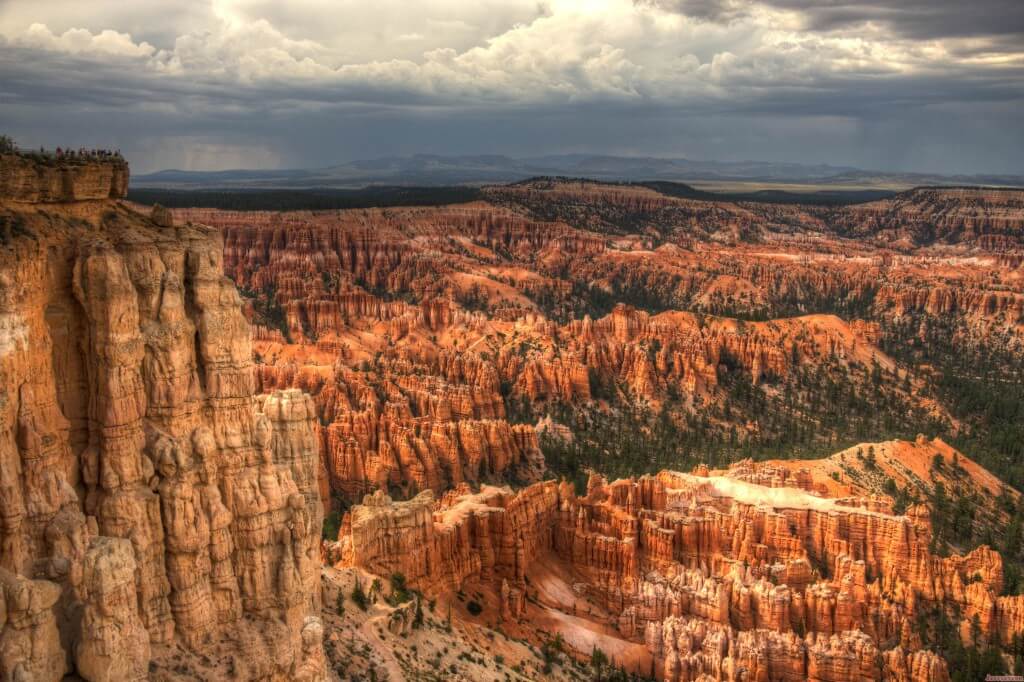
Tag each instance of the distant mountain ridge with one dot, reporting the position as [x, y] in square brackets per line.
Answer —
[432, 170]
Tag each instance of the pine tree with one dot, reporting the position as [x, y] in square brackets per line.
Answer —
[358, 596]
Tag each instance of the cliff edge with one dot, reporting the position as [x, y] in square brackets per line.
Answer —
[48, 179]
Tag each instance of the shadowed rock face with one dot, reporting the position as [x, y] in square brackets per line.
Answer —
[149, 500]
[985, 217]
[989, 218]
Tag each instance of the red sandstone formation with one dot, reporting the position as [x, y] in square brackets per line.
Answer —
[159, 516]
[427, 417]
[715, 575]
[153, 513]
[329, 268]
[417, 330]
[424, 435]
[372, 290]
[944, 301]
[909, 465]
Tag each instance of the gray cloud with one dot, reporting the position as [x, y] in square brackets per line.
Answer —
[919, 19]
[244, 83]
[705, 10]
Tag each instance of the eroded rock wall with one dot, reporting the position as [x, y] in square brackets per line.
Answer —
[493, 533]
[148, 500]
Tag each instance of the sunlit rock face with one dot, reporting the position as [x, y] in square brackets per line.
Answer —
[150, 501]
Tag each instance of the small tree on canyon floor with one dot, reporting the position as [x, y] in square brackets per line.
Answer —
[358, 596]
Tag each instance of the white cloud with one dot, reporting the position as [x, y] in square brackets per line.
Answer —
[81, 41]
[563, 51]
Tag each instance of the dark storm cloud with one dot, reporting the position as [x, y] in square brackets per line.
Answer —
[918, 19]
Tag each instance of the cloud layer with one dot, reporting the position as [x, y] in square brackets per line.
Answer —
[925, 84]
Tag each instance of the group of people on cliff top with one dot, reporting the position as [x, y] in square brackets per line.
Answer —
[7, 146]
[87, 154]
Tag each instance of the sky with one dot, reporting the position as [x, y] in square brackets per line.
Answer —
[919, 85]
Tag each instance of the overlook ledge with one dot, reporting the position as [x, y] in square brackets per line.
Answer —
[34, 178]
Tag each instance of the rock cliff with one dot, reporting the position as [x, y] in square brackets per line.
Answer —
[23, 179]
[156, 518]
